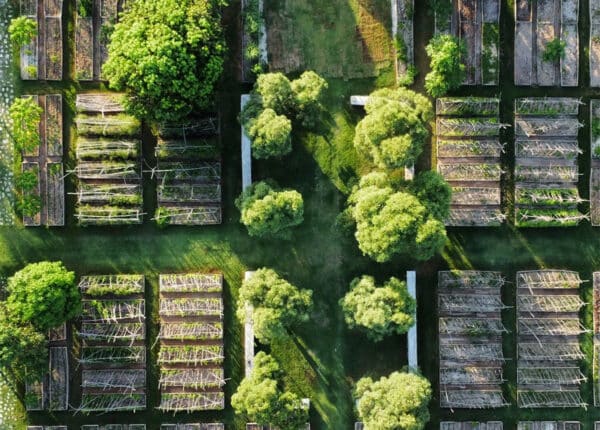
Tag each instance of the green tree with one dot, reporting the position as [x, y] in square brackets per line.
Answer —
[555, 50]
[309, 91]
[168, 56]
[394, 130]
[381, 311]
[43, 294]
[275, 91]
[268, 212]
[278, 305]
[433, 192]
[23, 351]
[261, 399]
[447, 69]
[25, 115]
[390, 222]
[270, 134]
[396, 402]
[22, 30]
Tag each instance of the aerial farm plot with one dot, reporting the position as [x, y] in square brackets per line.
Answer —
[403, 32]
[595, 43]
[546, 172]
[470, 333]
[477, 24]
[189, 174]
[468, 157]
[113, 336]
[595, 162]
[548, 327]
[108, 162]
[42, 59]
[538, 23]
[47, 162]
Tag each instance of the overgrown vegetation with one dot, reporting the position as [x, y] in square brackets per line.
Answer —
[447, 68]
[22, 30]
[554, 50]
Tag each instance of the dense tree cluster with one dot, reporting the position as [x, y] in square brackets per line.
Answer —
[396, 402]
[380, 311]
[275, 103]
[267, 211]
[277, 304]
[167, 55]
[261, 398]
[391, 221]
[393, 132]
[25, 115]
[447, 68]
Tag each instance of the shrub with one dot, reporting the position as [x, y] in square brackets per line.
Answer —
[555, 50]
[447, 68]
[22, 30]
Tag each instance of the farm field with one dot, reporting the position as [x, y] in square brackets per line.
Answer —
[323, 359]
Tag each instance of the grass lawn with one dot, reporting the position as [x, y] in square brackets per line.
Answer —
[357, 34]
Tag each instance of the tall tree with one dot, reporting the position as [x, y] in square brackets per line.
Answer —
[275, 91]
[277, 304]
[270, 135]
[43, 294]
[380, 311]
[167, 55]
[309, 91]
[390, 222]
[269, 212]
[447, 68]
[396, 402]
[394, 130]
[434, 192]
[260, 397]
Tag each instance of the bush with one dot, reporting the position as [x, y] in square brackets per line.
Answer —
[268, 212]
[25, 115]
[275, 91]
[85, 9]
[555, 50]
[309, 90]
[22, 30]
[447, 69]
[270, 135]
[43, 294]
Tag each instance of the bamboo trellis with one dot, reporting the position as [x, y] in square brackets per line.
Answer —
[191, 282]
[185, 215]
[176, 170]
[546, 303]
[550, 376]
[119, 380]
[471, 279]
[544, 351]
[105, 215]
[471, 172]
[540, 195]
[110, 333]
[467, 127]
[471, 425]
[550, 399]
[106, 192]
[559, 127]
[550, 327]
[197, 378]
[465, 352]
[112, 402]
[469, 148]
[113, 310]
[190, 331]
[108, 170]
[190, 306]
[201, 193]
[135, 283]
[202, 127]
[467, 106]
[476, 195]
[470, 303]
[465, 217]
[472, 326]
[568, 149]
[104, 148]
[190, 402]
[547, 173]
[191, 355]
[546, 106]
[100, 102]
[559, 218]
[470, 375]
[193, 426]
[472, 399]
[113, 355]
[548, 279]
[549, 425]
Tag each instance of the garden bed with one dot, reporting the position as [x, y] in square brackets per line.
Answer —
[594, 43]
[540, 22]
[403, 32]
[595, 162]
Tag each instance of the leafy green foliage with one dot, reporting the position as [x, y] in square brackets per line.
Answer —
[268, 212]
[381, 311]
[278, 305]
[23, 350]
[396, 402]
[390, 222]
[434, 192]
[270, 135]
[22, 30]
[260, 398]
[447, 68]
[85, 8]
[27, 180]
[25, 115]
[555, 50]
[43, 294]
[275, 91]
[29, 204]
[309, 90]
[394, 130]
[168, 56]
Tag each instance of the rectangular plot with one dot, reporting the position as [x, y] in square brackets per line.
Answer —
[33, 220]
[55, 195]
[59, 379]
[595, 52]
[54, 48]
[569, 11]
[569, 65]
[546, 11]
[546, 70]
[84, 49]
[523, 53]
[54, 131]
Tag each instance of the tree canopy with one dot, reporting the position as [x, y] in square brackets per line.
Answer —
[394, 130]
[261, 399]
[396, 402]
[447, 69]
[269, 212]
[43, 294]
[275, 91]
[25, 115]
[381, 311]
[270, 135]
[167, 55]
[434, 192]
[23, 350]
[278, 305]
[309, 91]
[390, 222]
[22, 30]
